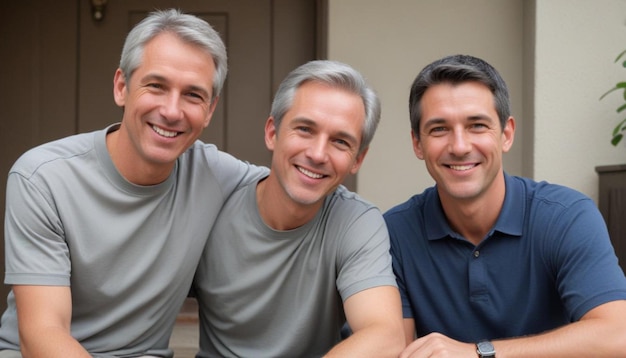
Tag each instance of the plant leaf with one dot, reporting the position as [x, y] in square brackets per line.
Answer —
[609, 91]
[619, 128]
[619, 85]
[620, 56]
[616, 139]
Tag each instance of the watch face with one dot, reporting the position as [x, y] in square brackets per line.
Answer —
[485, 349]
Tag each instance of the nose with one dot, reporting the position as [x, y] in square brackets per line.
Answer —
[316, 151]
[171, 107]
[460, 143]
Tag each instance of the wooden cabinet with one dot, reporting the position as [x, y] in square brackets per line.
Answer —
[612, 205]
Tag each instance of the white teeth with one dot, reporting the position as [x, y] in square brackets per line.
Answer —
[163, 132]
[309, 173]
[461, 167]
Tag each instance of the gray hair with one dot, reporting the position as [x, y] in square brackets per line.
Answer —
[458, 69]
[188, 28]
[334, 74]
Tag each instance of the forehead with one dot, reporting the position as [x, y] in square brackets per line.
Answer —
[332, 108]
[169, 54]
[465, 96]
[451, 89]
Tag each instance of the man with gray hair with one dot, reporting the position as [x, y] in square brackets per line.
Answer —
[293, 256]
[104, 230]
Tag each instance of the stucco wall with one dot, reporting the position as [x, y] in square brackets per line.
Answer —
[577, 41]
[562, 64]
[390, 41]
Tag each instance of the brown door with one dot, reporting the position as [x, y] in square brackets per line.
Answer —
[57, 64]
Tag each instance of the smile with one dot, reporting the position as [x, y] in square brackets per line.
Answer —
[462, 167]
[163, 132]
[310, 174]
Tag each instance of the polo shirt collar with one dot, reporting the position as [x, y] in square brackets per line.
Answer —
[510, 221]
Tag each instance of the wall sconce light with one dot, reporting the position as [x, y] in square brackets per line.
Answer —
[97, 9]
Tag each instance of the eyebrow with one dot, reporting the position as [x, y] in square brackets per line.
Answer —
[479, 117]
[434, 121]
[475, 117]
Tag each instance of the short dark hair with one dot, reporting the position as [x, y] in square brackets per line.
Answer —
[458, 69]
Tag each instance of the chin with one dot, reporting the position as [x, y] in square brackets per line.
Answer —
[463, 193]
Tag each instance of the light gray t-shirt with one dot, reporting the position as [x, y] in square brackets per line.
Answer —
[128, 252]
[268, 293]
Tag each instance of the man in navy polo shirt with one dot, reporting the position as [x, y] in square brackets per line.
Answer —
[488, 262]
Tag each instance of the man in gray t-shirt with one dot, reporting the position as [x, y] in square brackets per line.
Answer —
[291, 257]
[104, 230]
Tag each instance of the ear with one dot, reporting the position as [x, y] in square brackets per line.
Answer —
[508, 134]
[211, 110]
[417, 146]
[270, 133]
[359, 161]
[119, 88]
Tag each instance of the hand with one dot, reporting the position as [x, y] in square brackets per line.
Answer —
[436, 345]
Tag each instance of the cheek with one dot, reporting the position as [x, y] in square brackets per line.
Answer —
[349, 161]
[198, 116]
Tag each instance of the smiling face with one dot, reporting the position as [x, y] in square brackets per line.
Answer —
[462, 141]
[167, 104]
[316, 145]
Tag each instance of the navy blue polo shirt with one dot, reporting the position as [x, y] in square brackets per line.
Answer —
[546, 262]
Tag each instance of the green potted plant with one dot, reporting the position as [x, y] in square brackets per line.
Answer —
[617, 133]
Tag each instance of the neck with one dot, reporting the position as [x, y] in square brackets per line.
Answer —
[129, 165]
[277, 210]
[474, 218]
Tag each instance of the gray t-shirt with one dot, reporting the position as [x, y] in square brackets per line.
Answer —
[268, 293]
[128, 252]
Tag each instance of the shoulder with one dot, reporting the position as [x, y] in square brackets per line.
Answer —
[200, 151]
[49, 155]
[209, 156]
[343, 196]
[551, 210]
[543, 193]
[345, 211]
[345, 204]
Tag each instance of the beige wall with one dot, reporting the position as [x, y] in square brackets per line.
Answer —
[390, 41]
[577, 41]
[554, 82]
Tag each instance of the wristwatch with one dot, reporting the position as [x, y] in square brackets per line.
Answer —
[485, 349]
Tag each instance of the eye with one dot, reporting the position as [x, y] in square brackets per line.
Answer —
[437, 131]
[479, 126]
[154, 85]
[195, 96]
[342, 143]
[303, 129]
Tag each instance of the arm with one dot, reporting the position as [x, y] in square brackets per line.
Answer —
[599, 333]
[44, 315]
[375, 317]
[409, 330]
